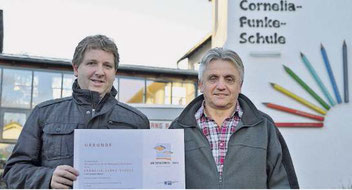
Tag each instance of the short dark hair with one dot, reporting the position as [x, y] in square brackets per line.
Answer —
[95, 42]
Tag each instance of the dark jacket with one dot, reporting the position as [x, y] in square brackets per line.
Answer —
[46, 140]
[257, 155]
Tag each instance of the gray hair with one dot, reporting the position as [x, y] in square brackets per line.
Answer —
[222, 54]
[95, 42]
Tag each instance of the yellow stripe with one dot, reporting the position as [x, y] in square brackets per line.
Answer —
[299, 99]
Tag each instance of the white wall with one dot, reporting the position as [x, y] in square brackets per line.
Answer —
[322, 156]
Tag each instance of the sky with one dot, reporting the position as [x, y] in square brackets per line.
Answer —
[147, 32]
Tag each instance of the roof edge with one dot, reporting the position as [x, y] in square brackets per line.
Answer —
[196, 47]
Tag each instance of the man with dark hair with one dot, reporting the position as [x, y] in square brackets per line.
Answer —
[229, 143]
[43, 155]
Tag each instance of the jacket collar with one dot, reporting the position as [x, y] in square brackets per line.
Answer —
[92, 98]
[251, 115]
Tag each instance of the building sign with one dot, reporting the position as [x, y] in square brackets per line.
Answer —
[290, 49]
[271, 34]
[156, 124]
[260, 22]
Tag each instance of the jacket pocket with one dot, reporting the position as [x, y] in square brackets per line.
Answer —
[113, 124]
[58, 140]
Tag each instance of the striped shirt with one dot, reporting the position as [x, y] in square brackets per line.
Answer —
[218, 137]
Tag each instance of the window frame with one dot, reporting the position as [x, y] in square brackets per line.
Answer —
[12, 110]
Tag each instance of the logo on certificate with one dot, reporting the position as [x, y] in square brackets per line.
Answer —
[163, 151]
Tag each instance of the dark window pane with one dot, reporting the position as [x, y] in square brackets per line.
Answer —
[16, 91]
[67, 85]
[46, 86]
[0, 79]
[5, 152]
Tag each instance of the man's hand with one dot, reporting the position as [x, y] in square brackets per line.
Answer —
[63, 177]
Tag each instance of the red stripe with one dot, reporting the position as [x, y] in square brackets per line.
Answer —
[292, 124]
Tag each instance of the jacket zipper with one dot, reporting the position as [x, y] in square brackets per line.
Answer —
[220, 176]
[220, 181]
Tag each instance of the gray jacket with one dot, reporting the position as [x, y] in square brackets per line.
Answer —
[257, 155]
[46, 140]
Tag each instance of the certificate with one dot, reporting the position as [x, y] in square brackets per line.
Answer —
[129, 159]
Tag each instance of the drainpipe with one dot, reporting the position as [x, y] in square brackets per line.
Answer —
[1, 31]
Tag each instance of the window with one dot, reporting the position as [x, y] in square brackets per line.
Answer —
[68, 80]
[182, 93]
[16, 90]
[190, 91]
[116, 85]
[131, 90]
[13, 123]
[5, 151]
[46, 86]
[0, 83]
[158, 92]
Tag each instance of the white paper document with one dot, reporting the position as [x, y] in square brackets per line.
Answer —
[129, 159]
